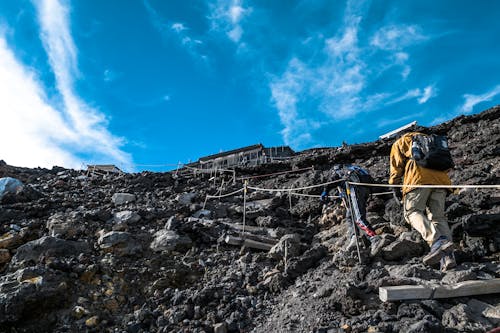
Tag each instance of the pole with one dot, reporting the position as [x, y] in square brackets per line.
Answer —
[244, 206]
[349, 206]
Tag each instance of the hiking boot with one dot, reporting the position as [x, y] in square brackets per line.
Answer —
[440, 248]
[447, 262]
[377, 243]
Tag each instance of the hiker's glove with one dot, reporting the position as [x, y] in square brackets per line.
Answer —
[398, 195]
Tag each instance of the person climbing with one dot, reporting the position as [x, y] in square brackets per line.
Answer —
[354, 199]
[424, 207]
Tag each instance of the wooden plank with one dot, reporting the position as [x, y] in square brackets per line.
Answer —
[435, 291]
[247, 242]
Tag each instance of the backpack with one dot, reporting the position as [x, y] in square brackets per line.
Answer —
[431, 152]
[358, 174]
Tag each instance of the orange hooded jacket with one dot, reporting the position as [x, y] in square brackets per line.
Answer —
[403, 167]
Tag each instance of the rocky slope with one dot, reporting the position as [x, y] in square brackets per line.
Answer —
[148, 252]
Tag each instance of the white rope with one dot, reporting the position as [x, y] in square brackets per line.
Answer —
[275, 173]
[316, 196]
[225, 195]
[216, 169]
[292, 188]
[426, 186]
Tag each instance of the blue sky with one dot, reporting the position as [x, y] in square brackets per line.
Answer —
[146, 83]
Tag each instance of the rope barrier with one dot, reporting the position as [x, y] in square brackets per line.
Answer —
[275, 173]
[316, 196]
[207, 170]
[294, 188]
[425, 186]
[224, 195]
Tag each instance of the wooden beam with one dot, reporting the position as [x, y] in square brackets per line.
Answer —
[247, 243]
[435, 291]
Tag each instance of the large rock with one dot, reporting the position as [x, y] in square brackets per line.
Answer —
[402, 248]
[12, 239]
[186, 198]
[9, 185]
[31, 252]
[64, 225]
[30, 293]
[122, 198]
[119, 242]
[168, 240]
[125, 218]
[463, 319]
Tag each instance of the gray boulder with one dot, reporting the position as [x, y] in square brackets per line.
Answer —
[31, 252]
[402, 248]
[30, 289]
[168, 240]
[122, 198]
[118, 242]
[64, 225]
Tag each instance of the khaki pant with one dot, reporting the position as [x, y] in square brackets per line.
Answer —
[424, 210]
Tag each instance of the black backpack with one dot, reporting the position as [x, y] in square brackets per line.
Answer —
[432, 152]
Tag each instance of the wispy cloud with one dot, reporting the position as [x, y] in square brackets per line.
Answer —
[396, 37]
[337, 83]
[110, 75]
[472, 100]
[179, 30]
[46, 135]
[421, 95]
[227, 17]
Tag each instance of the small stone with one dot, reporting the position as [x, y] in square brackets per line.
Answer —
[92, 321]
[220, 328]
[4, 256]
[78, 312]
[111, 304]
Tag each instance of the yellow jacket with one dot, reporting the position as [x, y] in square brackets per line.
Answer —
[403, 166]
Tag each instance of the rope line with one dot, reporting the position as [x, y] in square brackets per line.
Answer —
[291, 190]
[315, 196]
[208, 170]
[294, 188]
[425, 186]
[225, 195]
[275, 173]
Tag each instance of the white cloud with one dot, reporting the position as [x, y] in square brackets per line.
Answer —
[473, 100]
[337, 82]
[286, 91]
[32, 132]
[228, 16]
[396, 37]
[178, 27]
[41, 134]
[110, 75]
[428, 93]
[422, 95]
[184, 35]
